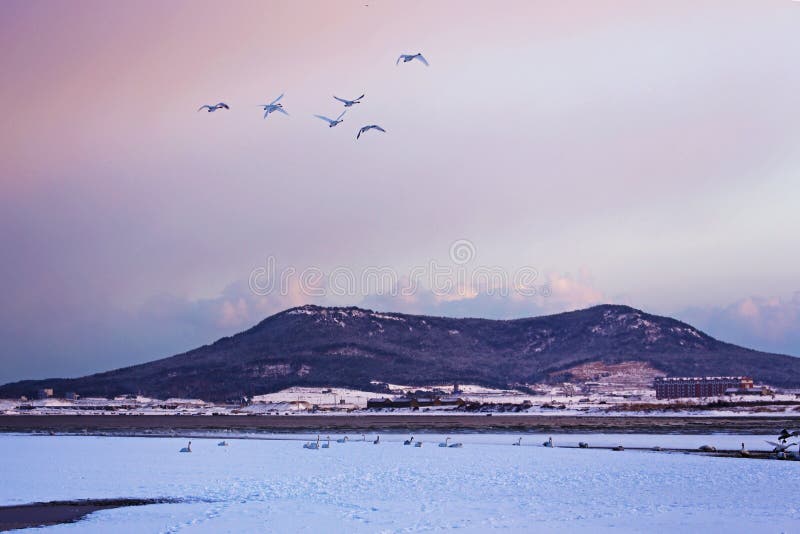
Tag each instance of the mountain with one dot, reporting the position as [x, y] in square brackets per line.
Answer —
[352, 347]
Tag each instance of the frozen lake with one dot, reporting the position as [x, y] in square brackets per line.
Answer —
[277, 486]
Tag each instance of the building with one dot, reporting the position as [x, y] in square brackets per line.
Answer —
[413, 402]
[675, 387]
[45, 393]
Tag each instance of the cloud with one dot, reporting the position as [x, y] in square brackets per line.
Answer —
[767, 323]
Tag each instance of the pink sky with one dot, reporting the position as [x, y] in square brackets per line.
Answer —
[642, 152]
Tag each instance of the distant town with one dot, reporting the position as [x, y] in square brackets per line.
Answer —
[708, 395]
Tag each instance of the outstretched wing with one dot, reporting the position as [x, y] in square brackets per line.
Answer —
[276, 100]
[362, 96]
[223, 105]
[422, 58]
[402, 56]
[378, 128]
[266, 112]
[201, 108]
[282, 111]
[360, 132]
[774, 444]
[326, 119]
[341, 115]
[342, 100]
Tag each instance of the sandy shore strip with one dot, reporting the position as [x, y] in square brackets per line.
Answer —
[467, 423]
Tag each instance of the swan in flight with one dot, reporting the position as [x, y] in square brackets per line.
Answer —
[368, 128]
[332, 122]
[444, 443]
[411, 57]
[348, 103]
[273, 106]
[409, 441]
[215, 107]
[780, 447]
[187, 448]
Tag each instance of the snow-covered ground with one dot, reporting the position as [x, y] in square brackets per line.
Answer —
[277, 486]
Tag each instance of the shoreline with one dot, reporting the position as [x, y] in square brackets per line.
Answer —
[43, 514]
[466, 423]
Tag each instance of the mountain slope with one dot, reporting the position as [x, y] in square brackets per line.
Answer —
[350, 347]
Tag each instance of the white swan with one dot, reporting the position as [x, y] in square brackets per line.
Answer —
[744, 452]
[456, 445]
[332, 122]
[444, 443]
[363, 437]
[548, 443]
[348, 103]
[377, 441]
[273, 106]
[215, 107]
[411, 57]
[187, 448]
[418, 444]
[342, 440]
[518, 443]
[312, 444]
[222, 444]
[327, 445]
[780, 447]
[409, 441]
[368, 128]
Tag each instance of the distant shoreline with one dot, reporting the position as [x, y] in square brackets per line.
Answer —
[159, 424]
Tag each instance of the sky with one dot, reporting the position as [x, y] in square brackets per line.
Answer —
[643, 153]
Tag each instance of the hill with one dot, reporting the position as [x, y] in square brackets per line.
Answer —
[353, 347]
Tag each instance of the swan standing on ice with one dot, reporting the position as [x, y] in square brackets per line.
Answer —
[312, 444]
[411, 57]
[368, 128]
[273, 106]
[744, 452]
[409, 441]
[548, 443]
[327, 445]
[377, 441]
[215, 107]
[444, 443]
[342, 440]
[187, 448]
[332, 122]
[518, 443]
[349, 103]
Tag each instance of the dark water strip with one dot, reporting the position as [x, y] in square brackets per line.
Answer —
[41, 514]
